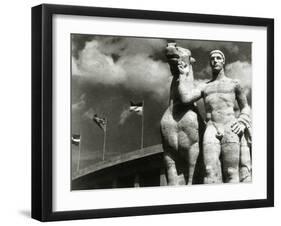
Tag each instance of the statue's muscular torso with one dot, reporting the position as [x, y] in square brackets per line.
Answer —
[220, 98]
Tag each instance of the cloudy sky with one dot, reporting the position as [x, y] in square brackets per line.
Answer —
[108, 72]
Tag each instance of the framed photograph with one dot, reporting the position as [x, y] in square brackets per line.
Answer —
[146, 112]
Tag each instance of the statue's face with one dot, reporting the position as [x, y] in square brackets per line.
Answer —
[216, 62]
[178, 56]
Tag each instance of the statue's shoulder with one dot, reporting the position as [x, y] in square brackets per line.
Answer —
[237, 85]
[209, 87]
[233, 81]
[202, 86]
[210, 83]
[236, 82]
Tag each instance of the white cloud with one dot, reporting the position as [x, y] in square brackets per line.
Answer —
[236, 70]
[89, 114]
[134, 69]
[96, 67]
[242, 71]
[124, 115]
[80, 104]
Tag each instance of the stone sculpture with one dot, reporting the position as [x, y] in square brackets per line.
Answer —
[226, 141]
[223, 137]
[181, 122]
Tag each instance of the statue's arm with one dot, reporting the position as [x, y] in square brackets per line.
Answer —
[242, 100]
[189, 93]
[244, 119]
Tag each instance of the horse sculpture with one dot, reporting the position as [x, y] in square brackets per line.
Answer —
[181, 124]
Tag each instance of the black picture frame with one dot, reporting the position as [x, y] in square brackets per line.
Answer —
[42, 107]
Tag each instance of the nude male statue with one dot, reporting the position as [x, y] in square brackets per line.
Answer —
[181, 123]
[225, 151]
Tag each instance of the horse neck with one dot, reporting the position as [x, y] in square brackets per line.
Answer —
[190, 76]
[175, 84]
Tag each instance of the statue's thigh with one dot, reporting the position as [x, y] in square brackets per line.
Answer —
[230, 147]
[192, 154]
[211, 145]
[245, 153]
[211, 153]
[245, 171]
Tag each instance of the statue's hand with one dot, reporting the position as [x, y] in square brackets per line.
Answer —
[183, 68]
[238, 127]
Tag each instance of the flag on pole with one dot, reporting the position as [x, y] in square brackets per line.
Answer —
[101, 122]
[75, 139]
[136, 107]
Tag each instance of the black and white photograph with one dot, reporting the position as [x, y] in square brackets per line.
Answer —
[143, 112]
[149, 112]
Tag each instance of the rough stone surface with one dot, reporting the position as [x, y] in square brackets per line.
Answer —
[226, 149]
[180, 122]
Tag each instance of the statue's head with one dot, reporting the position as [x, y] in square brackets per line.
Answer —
[217, 60]
[178, 56]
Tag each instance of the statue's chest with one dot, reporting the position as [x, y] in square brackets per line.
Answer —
[220, 87]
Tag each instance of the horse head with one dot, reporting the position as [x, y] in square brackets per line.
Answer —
[179, 59]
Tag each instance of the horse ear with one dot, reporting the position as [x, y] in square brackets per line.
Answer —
[192, 60]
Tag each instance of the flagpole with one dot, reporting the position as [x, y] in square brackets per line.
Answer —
[142, 119]
[79, 152]
[80, 144]
[104, 140]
